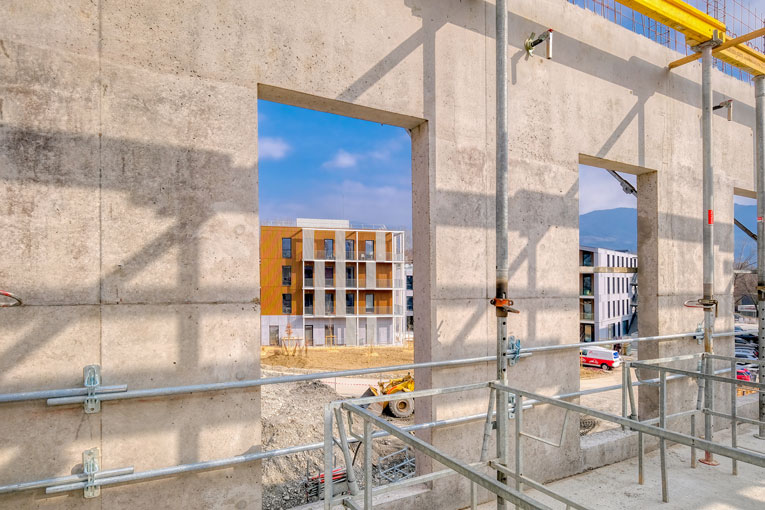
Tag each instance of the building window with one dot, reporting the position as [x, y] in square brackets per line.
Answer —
[308, 303]
[308, 276]
[287, 275]
[585, 333]
[329, 302]
[329, 334]
[587, 258]
[409, 282]
[350, 249]
[370, 303]
[329, 276]
[350, 302]
[273, 335]
[286, 303]
[329, 249]
[286, 248]
[608, 258]
[409, 303]
[587, 285]
[350, 276]
[608, 284]
[609, 310]
[369, 249]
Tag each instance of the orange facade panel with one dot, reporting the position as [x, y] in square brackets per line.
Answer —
[272, 262]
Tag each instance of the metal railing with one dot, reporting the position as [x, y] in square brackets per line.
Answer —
[120, 392]
[351, 282]
[323, 255]
[307, 282]
[586, 316]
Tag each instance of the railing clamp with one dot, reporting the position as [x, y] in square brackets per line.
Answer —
[706, 304]
[90, 466]
[513, 351]
[534, 41]
[92, 380]
[510, 406]
[504, 305]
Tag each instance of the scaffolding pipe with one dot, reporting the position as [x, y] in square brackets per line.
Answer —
[503, 257]
[708, 231]
[759, 116]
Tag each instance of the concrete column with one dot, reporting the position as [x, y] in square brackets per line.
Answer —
[318, 274]
[308, 252]
[371, 275]
[351, 336]
[340, 245]
[380, 246]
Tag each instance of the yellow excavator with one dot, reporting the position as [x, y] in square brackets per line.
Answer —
[400, 406]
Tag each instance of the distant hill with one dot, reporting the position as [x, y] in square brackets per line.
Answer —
[616, 229]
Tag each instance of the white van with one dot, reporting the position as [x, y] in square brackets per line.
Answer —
[599, 357]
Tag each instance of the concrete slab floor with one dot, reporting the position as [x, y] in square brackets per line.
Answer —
[615, 487]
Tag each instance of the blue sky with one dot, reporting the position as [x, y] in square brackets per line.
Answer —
[319, 165]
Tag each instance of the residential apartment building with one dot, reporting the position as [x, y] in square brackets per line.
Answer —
[608, 294]
[409, 272]
[331, 283]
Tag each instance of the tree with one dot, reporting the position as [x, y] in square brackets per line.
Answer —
[745, 284]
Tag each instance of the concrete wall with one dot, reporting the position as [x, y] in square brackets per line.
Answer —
[128, 178]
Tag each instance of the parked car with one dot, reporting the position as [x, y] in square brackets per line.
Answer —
[600, 357]
[743, 375]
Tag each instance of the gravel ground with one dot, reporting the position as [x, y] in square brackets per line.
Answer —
[292, 414]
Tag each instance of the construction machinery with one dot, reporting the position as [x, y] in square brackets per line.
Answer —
[401, 407]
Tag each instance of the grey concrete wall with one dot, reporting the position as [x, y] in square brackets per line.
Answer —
[128, 178]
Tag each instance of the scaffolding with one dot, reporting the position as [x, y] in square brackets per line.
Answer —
[707, 36]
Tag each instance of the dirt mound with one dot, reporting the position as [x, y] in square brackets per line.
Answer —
[293, 414]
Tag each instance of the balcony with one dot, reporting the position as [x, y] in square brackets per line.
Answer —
[308, 309]
[586, 292]
[366, 256]
[381, 310]
[324, 255]
[307, 282]
[350, 255]
[350, 310]
[329, 282]
[351, 283]
[587, 316]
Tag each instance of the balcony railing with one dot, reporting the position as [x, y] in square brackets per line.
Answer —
[350, 255]
[351, 310]
[307, 282]
[587, 316]
[586, 292]
[366, 256]
[381, 310]
[350, 282]
[329, 282]
[324, 255]
[308, 309]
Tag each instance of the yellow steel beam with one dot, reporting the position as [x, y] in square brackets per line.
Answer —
[695, 25]
[698, 27]
[724, 46]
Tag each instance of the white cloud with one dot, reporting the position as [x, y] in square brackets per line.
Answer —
[342, 159]
[737, 199]
[272, 148]
[350, 200]
[599, 190]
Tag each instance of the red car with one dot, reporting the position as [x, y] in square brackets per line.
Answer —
[743, 375]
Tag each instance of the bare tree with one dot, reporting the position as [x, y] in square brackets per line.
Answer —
[745, 284]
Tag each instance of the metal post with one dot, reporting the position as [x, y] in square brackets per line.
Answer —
[693, 448]
[759, 116]
[625, 386]
[708, 233]
[641, 450]
[733, 420]
[368, 482]
[662, 442]
[328, 463]
[350, 473]
[484, 445]
[503, 258]
[518, 441]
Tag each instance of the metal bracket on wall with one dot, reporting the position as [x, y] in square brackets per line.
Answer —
[92, 380]
[534, 41]
[90, 466]
[726, 104]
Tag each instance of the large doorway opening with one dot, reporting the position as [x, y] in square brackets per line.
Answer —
[608, 283]
[336, 267]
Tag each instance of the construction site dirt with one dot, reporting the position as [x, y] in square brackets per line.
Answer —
[292, 414]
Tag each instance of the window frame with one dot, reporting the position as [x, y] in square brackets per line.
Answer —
[287, 254]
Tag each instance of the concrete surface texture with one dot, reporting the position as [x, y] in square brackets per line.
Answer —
[128, 184]
[703, 488]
